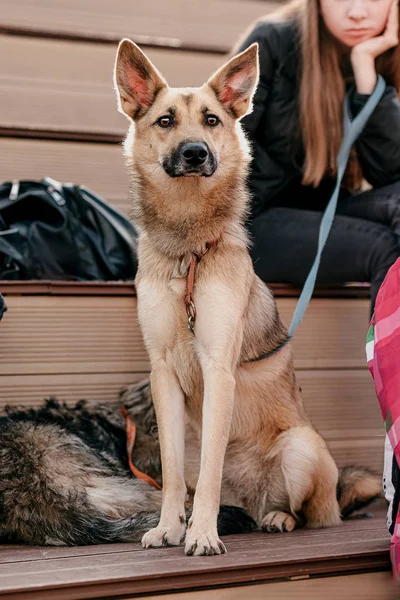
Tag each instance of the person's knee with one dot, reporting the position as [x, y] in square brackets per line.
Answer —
[390, 195]
[384, 252]
[393, 189]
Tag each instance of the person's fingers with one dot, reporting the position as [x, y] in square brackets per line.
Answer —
[392, 26]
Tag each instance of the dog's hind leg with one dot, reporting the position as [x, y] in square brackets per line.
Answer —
[306, 490]
[278, 521]
[322, 508]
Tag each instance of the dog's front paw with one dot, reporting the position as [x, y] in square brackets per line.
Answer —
[164, 536]
[203, 543]
[278, 522]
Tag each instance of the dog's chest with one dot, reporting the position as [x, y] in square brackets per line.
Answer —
[184, 352]
[177, 287]
[164, 323]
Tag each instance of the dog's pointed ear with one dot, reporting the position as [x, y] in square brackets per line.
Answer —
[235, 83]
[137, 82]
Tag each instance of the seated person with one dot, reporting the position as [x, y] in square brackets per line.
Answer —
[311, 53]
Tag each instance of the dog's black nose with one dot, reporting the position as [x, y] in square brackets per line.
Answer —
[195, 153]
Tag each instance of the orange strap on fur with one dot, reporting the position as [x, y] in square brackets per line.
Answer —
[130, 444]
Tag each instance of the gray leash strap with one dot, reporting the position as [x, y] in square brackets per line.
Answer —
[351, 131]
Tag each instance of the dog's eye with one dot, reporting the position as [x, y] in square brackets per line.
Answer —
[165, 122]
[212, 120]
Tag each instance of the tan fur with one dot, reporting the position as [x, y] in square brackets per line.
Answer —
[356, 487]
[248, 417]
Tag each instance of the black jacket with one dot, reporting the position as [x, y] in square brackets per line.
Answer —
[273, 126]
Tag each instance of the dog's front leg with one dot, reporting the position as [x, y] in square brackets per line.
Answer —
[202, 536]
[218, 340]
[170, 410]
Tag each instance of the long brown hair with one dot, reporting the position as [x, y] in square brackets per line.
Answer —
[322, 90]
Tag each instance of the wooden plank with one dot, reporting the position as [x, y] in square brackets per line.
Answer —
[41, 322]
[366, 586]
[337, 417]
[67, 288]
[98, 166]
[45, 353]
[341, 401]
[253, 558]
[31, 390]
[176, 24]
[348, 290]
[61, 334]
[15, 553]
[367, 452]
[126, 288]
[70, 86]
[342, 405]
[332, 334]
[349, 441]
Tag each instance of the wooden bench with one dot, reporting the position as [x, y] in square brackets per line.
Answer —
[210, 25]
[58, 117]
[83, 340]
[127, 571]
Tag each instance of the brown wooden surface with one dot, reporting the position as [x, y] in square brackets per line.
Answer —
[366, 586]
[213, 24]
[331, 337]
[126, 569]
[89, 346]
[332, 334]
[70, 335]
[124, 288]
[70, 85]
[67, 288]
[52, 327]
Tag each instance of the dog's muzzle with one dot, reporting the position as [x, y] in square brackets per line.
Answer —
[191, 158]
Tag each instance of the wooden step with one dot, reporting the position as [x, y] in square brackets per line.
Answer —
[366, 586]
[176, 23]
[89, 346]
[126, 570]
[70, 86]
[38, 321]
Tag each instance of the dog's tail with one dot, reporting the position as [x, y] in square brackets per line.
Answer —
[357, 487]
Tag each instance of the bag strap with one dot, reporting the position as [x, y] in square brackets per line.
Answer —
[351, 131]
[7, 248]
[3, 307]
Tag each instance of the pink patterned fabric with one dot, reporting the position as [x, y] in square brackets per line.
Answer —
[383, 355]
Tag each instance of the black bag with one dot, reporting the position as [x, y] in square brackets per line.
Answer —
[3, 307]
[50, 230]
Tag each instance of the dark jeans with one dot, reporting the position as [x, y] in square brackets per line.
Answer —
[363, 243]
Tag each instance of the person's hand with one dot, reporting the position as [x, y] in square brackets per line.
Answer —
[389, 38]
[363, 55]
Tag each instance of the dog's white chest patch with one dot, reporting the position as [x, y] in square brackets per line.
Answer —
[177, 286]
[177, 283]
